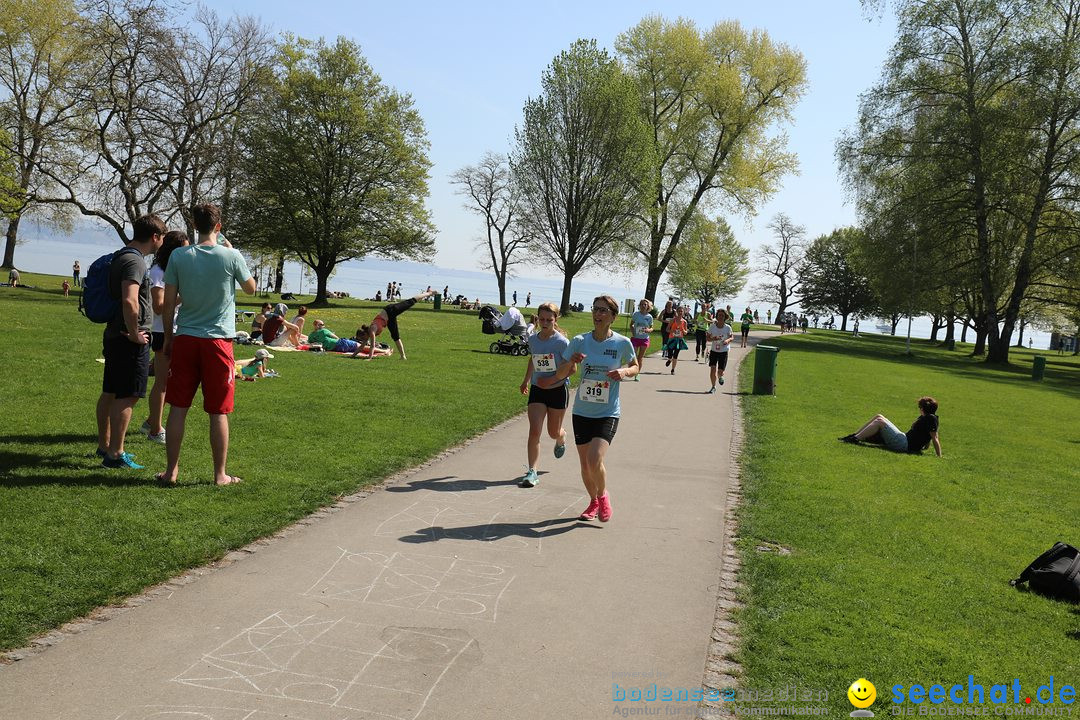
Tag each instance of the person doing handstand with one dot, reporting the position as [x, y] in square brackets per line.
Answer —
[387, 318]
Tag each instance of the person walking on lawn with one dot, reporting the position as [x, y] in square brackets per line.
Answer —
[126, 342]
[201, 351]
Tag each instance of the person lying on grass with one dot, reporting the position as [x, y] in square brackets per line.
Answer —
[256, 367]
[330, 342]
[881, 430]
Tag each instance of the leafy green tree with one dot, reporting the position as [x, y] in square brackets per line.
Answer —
[41, 47]
[582, 152]
[709, 263]
[830, 277]
[980, 104]
[336, 165]
[711, 99]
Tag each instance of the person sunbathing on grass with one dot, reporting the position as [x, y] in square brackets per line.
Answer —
[330, 342]
[880, 430]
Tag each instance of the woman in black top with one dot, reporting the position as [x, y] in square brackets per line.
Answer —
[923, 431]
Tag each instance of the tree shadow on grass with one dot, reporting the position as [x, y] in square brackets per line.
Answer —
[491, 532]
[440, 484]
[961, 365]
[49, 439]
[72, 475]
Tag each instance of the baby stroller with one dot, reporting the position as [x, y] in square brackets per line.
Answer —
[511, 324]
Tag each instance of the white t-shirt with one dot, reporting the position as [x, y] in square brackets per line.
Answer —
[723, 333]
[157, 280]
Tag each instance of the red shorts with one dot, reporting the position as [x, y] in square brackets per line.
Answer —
[205, 361]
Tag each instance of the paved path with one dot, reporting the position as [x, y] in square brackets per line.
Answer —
[449, 594]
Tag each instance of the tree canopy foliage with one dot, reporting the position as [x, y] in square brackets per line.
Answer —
[709, 264]
[336, 163]
[713, 101]
[580, 161]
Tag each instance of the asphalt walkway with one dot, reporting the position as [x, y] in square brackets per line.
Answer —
[451, 593]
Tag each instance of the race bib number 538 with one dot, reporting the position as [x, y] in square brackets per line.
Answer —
[544, 362]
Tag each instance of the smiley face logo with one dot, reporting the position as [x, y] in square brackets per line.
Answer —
[862, 693]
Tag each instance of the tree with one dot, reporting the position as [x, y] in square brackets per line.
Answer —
[830, 278]
[980, 97]
[709, 263]
[710, 100]
[582, 150]
[488, 185]
[41, 47]
[152, 103]
[780, 262]
[337, 164]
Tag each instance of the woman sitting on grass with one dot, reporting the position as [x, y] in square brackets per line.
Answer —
[923, 431]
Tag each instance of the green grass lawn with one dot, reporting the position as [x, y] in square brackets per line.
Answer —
[74, 535]
[899, 564]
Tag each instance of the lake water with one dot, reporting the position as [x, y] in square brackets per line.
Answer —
[362, 279]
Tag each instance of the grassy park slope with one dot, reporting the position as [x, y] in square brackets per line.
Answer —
[74, 535]
[899, 564]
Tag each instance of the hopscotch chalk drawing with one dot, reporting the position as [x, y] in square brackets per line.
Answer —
[335, 663]
[417, 582]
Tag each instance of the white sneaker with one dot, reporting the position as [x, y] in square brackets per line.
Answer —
[159, 438]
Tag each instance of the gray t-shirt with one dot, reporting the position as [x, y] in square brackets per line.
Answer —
[129, 265]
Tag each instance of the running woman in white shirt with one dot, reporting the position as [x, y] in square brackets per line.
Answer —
[720, 336]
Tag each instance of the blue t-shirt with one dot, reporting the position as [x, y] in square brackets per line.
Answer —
[555, 345]
[639, 319]
[206, 277]
[600, 358]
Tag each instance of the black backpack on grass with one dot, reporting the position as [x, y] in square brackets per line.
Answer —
[1055, 573]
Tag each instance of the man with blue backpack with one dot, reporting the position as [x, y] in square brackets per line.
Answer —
[120, 291]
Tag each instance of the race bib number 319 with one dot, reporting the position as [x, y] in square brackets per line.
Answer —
[594, 391]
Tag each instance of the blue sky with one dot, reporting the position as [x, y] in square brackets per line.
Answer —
[470, 66]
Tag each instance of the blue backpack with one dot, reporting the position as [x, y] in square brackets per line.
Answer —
[95, 302]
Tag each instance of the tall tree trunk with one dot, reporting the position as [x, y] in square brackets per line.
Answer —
[322, 280]
[935, 325]
[9, 245]
[980, 342]
[843, 323]
[1020, 339]
[568, 280]
[963, 330]
[651, 284]
[500, 278]
[894, 320]
[279, 273]
[950, 331]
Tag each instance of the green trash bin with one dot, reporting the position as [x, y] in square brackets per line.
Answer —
[438, 301]
[765, 369]
[1038, 367]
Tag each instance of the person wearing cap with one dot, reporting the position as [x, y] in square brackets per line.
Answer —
[251, 369]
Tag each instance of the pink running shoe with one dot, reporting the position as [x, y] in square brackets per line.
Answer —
[590, 512]
[605, 507]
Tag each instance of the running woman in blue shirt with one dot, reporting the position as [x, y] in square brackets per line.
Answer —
[547, 352]
[607, 359]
